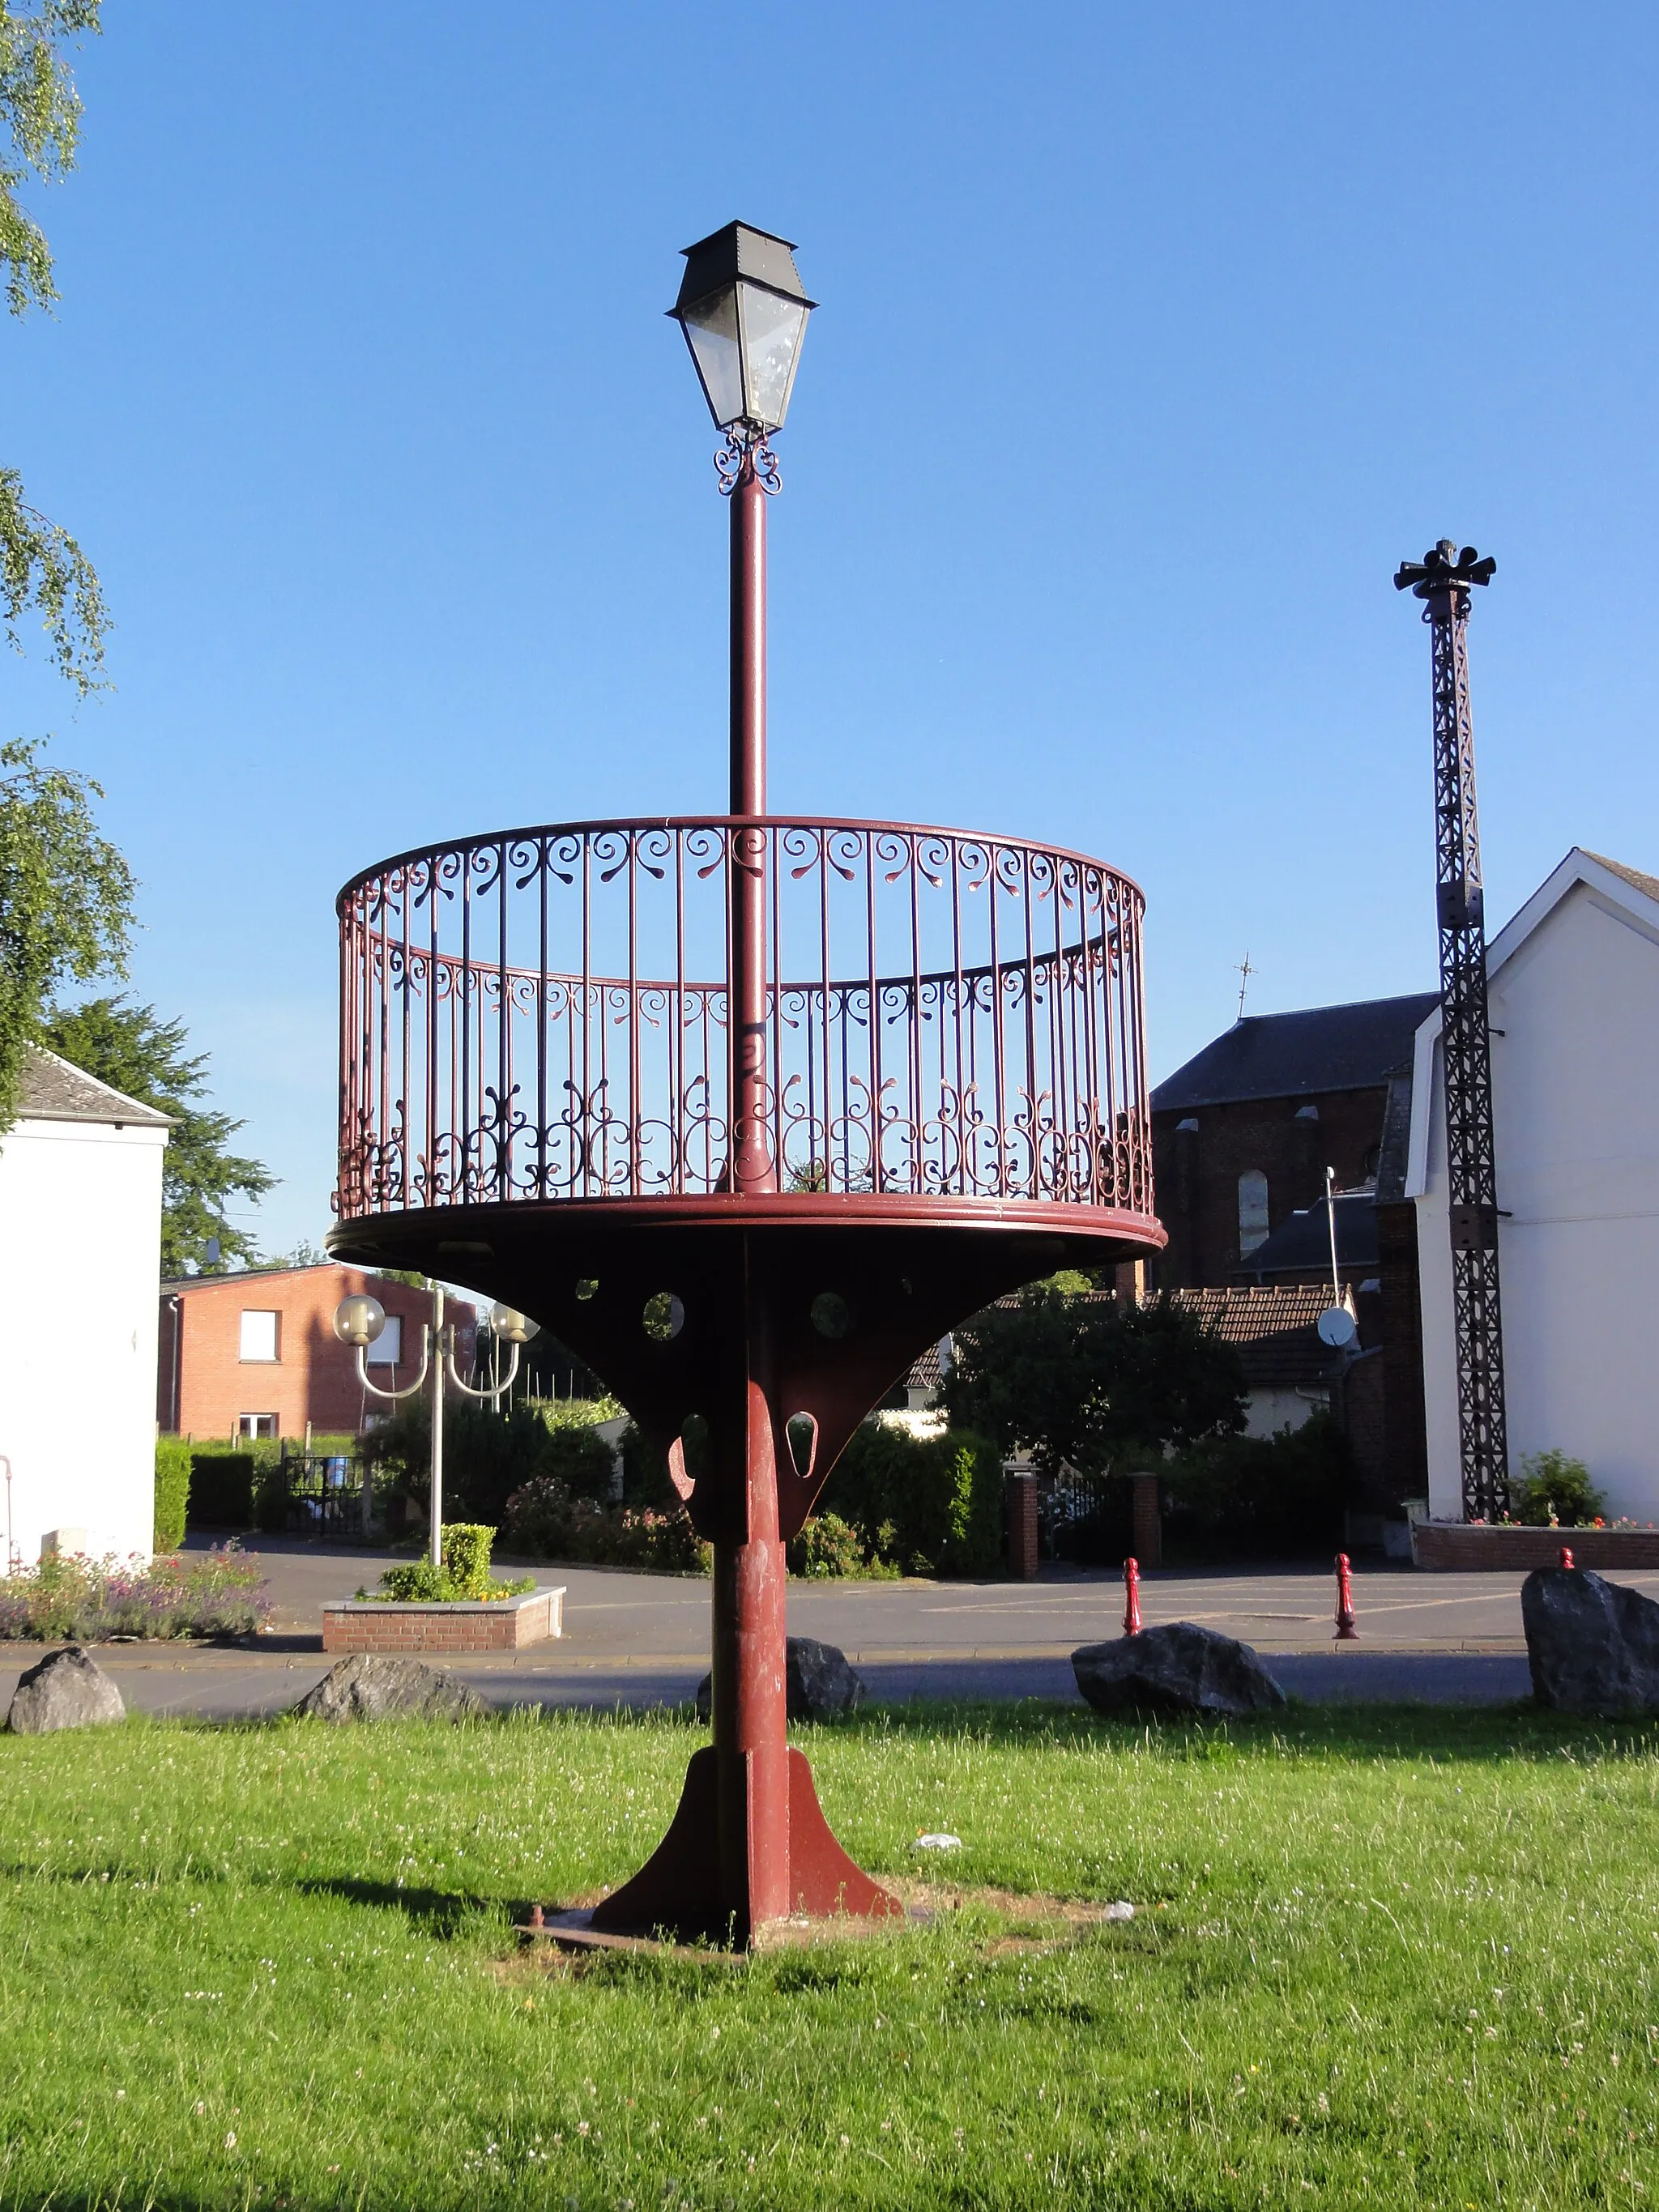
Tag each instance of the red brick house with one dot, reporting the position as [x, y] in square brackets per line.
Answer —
[255, 1354]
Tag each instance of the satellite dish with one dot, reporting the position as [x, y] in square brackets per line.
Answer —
[1336, 1327]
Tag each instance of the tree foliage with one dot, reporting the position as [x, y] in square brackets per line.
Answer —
[133, 1049]
[40, 564]
[65, 901]
[1087, 1380]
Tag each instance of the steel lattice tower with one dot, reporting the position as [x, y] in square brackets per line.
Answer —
[1443, 579]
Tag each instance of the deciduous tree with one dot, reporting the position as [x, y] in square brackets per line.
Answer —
[65, 901]
[41, 566]
[1087, 1380]
[133, 1049]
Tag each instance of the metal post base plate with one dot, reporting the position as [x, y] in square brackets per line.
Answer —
[679, 1890]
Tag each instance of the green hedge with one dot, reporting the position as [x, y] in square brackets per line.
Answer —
[489, 1455]
[220, 1489]
[172, 1459]
[923, 1505]
[1267, 1496]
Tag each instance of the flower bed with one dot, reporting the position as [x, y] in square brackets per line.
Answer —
[77, 1600]
[1471, 1546]
[466, 1625]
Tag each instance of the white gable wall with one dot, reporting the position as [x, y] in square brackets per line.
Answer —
[80, 1253]
[1574, 985]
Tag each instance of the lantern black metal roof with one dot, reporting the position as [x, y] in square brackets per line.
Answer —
[744, 308]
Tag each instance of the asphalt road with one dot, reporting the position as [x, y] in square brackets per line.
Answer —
[643, 1639]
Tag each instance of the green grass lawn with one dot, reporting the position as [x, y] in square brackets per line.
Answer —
[1392, 1958]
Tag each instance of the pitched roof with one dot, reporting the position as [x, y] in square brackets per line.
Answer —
[1352, 1047]
[54, 1090]
[1273, 1329]
[1648, 885]
[1301, 1241]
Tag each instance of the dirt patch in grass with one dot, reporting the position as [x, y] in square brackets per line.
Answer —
[992, 1922]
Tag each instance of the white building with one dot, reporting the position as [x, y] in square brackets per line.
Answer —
[80, 1253]
[1574, 989]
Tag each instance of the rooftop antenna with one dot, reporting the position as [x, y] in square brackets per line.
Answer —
[1336, 1324]
[1243, 971]
[1443, 579]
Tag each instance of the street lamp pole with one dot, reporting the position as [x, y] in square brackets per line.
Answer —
[359, 1320]
[743, 309]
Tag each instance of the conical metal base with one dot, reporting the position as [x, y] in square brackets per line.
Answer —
[679, 1890]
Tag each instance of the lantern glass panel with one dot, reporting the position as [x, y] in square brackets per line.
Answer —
[772, 328]
[711, 331]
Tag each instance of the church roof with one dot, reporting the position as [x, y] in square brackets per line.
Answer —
[1301, 1241]
[1352, 1047]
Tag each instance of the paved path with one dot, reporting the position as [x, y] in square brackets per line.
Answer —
[643, 1639]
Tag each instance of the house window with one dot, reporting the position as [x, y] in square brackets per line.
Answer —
[259, 1336]
[1252, 1210]
[252, 1426]
[387, 1348]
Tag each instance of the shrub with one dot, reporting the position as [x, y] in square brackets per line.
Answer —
[1283, 1493]
[78, 1599]
[487, 1456]
[220, 1489]
[465, 1573]
[826, 1546]
[924, 1503]
[1553, 1488]
[173, 1458]
[580, 1458]
[544, 1518]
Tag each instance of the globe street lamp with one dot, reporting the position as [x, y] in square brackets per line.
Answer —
[359, 1320]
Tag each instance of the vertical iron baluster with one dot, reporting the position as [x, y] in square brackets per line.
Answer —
[635, 1120]
[998, 1053]
[878, 1165]
[913, 1057]
[541, 1020]
[679, 1103]
[504, 1042]
[585, 1103]
[824, 975]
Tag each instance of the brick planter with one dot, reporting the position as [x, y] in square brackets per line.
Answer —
[1457, 1544]
[478, 1625]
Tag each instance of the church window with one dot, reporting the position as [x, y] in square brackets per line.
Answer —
[1252, 1210]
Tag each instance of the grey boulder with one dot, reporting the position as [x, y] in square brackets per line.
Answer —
[1173, 1670]
[68, 1690]
[365, 1687]
[1593, 1646]
[818, 1682]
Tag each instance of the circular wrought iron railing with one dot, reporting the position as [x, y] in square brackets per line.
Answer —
[542, 1015]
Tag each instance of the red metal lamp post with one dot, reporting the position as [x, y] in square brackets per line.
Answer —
[748, 1110]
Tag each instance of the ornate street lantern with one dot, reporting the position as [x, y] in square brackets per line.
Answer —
[748, 1111]
[744, 308]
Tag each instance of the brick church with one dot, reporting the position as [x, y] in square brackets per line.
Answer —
[1241, 1137]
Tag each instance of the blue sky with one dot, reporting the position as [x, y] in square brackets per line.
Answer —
[1151, 340]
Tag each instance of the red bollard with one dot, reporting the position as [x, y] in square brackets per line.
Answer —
[1346, 1631]
[1566, 1557]
[1132, 1597]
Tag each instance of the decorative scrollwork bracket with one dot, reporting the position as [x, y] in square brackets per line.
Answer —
[746, 453]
